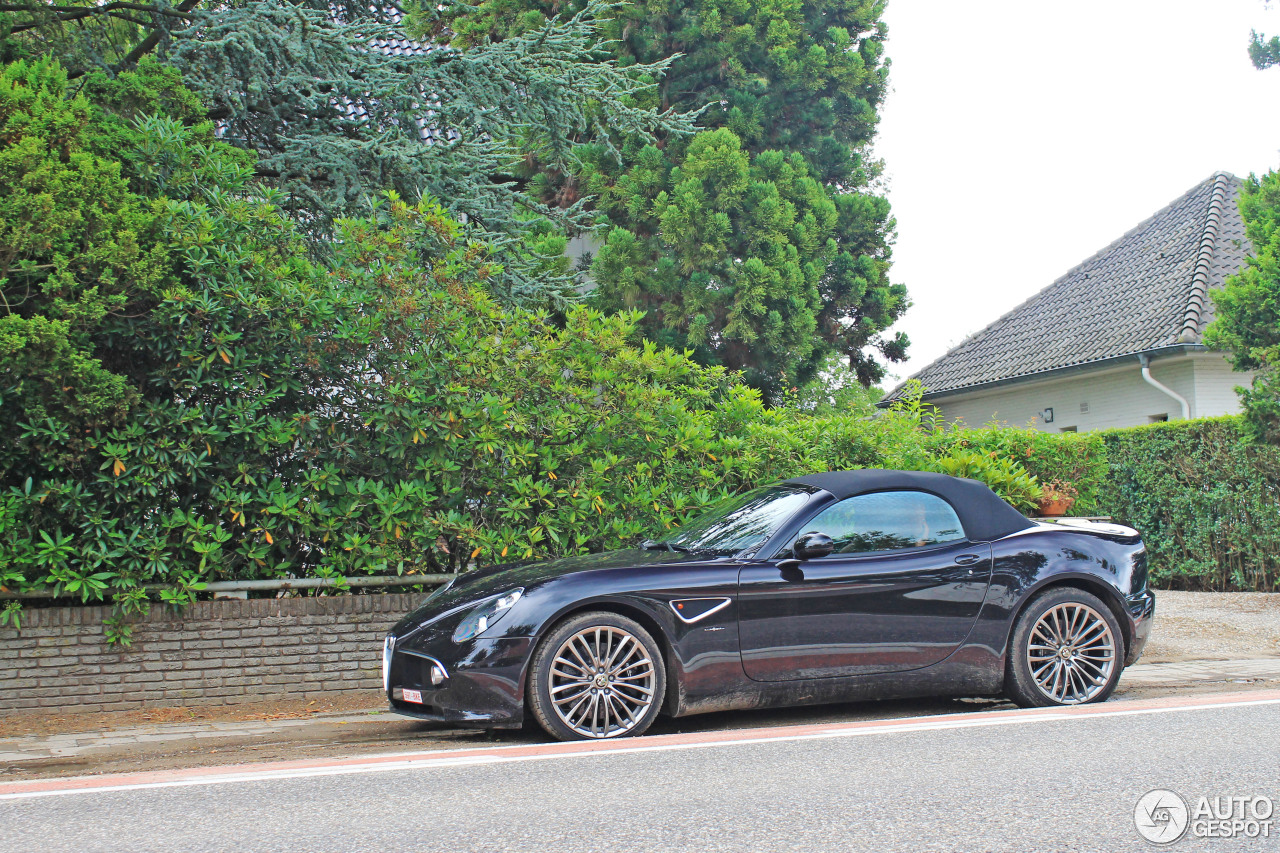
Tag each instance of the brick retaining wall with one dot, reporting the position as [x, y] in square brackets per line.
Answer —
[211, 653]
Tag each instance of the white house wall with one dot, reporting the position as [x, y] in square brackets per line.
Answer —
[1215, 386]
[1115, 396]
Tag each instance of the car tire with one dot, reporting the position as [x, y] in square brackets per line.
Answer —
[1066, 649]
[596, 676]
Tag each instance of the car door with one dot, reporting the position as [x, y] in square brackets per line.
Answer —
[900, 591]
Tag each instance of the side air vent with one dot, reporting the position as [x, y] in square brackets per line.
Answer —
[690, 610]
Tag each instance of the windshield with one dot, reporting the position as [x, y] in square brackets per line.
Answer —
[738, 523]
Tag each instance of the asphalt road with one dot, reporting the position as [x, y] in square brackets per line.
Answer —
[1000, 780]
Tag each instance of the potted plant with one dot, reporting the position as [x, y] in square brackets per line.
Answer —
[1056, 497]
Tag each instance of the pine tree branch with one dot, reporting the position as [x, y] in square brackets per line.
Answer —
[148, 44]
[75, 13]
[70, 14]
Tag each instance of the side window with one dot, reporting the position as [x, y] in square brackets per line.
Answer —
[887, 521]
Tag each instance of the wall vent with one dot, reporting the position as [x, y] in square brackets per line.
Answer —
[1084, 408]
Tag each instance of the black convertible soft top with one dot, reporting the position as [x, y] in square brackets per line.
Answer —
[983, 513]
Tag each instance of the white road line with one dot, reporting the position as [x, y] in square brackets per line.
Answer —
[445, 761]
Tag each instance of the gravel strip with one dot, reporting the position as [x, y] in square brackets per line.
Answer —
[1214, 626]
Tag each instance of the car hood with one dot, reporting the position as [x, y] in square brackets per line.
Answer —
[475, 586]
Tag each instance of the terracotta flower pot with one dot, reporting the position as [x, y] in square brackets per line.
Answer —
[1055, 508]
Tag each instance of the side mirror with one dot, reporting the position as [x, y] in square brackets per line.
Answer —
[813, 545]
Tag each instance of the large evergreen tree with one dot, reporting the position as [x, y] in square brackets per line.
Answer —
[1247, 309]
[758, 243]
[336, 105]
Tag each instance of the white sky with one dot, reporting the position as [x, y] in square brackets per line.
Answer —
[1022, 136]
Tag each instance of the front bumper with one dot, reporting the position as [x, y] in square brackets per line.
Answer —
[483, 685]
[1142, 609]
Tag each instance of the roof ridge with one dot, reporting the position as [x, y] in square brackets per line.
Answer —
[1190, 331]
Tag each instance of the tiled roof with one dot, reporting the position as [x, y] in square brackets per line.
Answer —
[1147, 290]
[401, 46]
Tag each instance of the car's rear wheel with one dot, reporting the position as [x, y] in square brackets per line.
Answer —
[597, 675]
[1066, 649]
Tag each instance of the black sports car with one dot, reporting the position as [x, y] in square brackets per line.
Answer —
[832, 587]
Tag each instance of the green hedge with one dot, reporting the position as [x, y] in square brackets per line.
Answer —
[1204, 499]
[1077, 459]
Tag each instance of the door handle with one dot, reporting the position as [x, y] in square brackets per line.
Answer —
[967, 559]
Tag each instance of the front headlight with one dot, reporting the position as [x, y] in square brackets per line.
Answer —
[486, 616]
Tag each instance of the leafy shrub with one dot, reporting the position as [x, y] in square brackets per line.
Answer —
[1079, 460]
[1004, 475]
[1205, 500]
[273, 417]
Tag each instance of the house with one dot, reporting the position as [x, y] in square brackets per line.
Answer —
[1117, 340]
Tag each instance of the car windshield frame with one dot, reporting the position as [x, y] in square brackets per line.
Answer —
[758, 514]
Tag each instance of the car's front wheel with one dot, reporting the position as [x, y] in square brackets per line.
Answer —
[1066, 649]
[597, 675]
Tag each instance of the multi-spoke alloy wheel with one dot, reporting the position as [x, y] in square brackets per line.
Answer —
[1071, 653]
[601, 682]
[1066, 650]
[597, 676]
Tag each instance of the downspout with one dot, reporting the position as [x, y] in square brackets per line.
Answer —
[1145, 360]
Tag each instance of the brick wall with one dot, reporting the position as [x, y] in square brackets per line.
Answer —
[213, 652]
